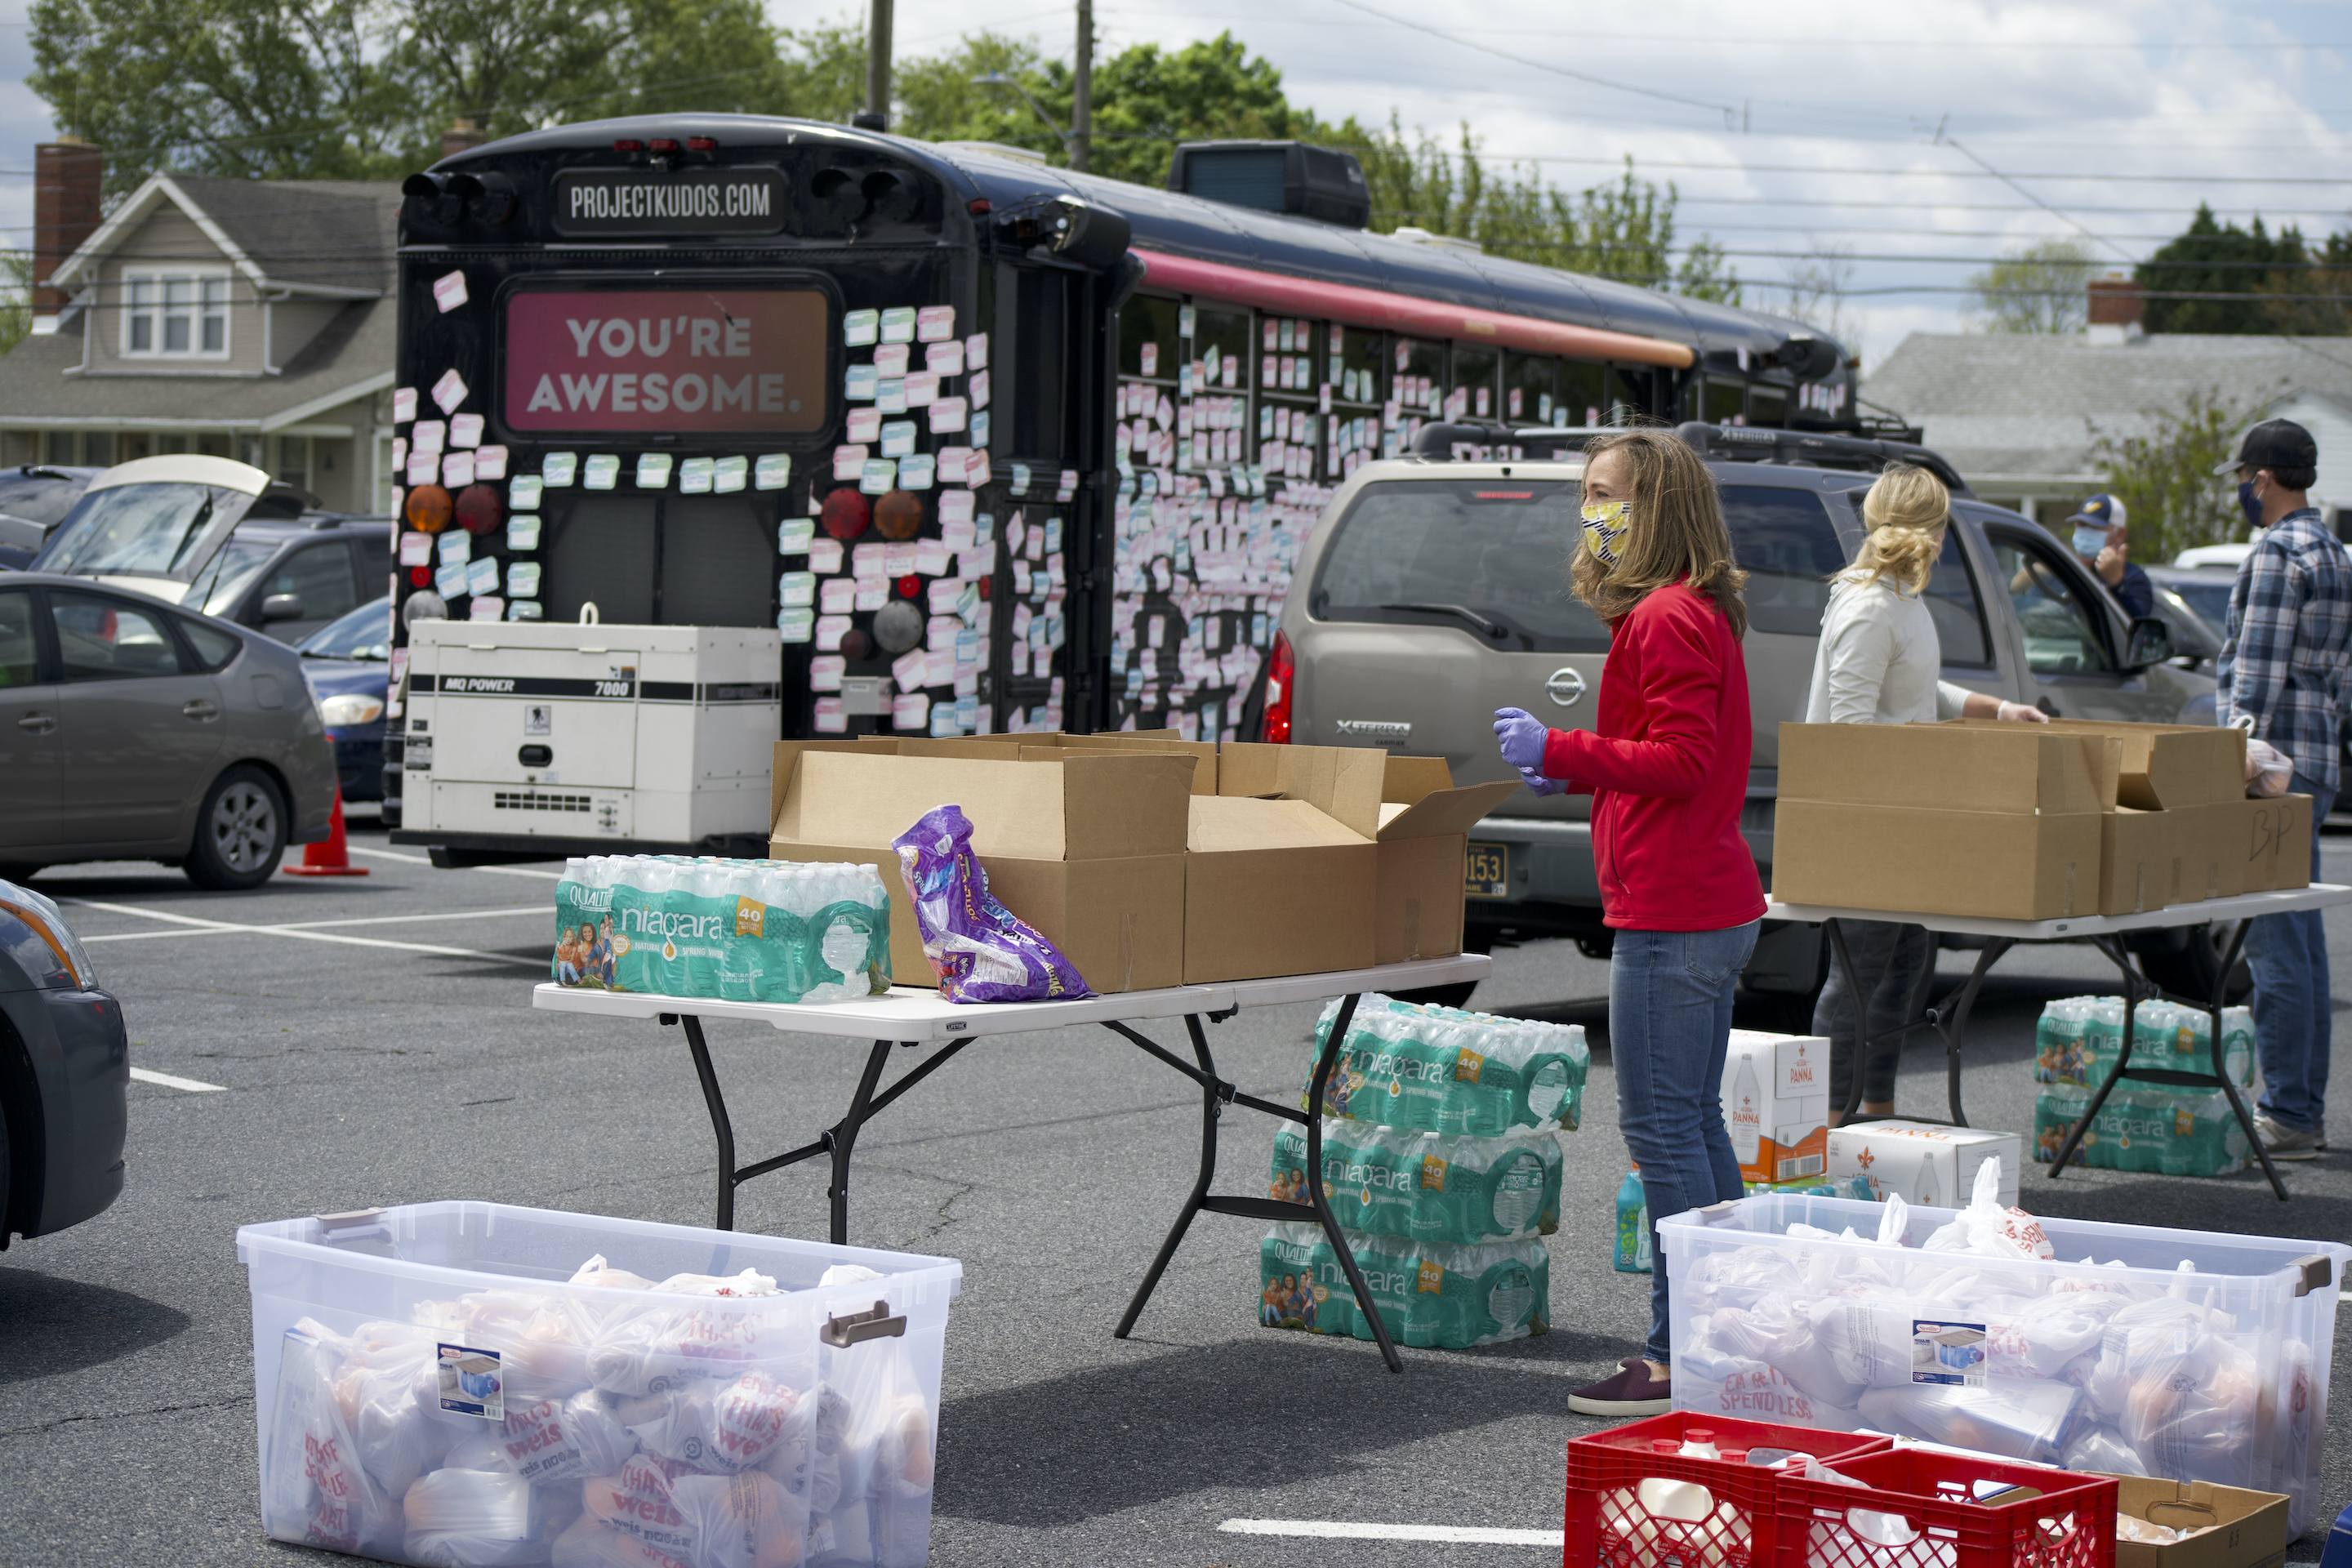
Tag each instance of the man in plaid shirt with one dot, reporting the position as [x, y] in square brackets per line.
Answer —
[2286, 669]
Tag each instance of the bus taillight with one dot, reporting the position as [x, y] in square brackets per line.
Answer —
[702, 143]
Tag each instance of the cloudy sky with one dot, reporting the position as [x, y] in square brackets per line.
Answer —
[1789, 131]
[1795, 128]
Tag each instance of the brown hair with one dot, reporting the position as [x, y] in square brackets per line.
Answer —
[1906, 511]
[1676, 532]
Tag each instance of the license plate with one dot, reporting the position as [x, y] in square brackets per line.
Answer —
[1486, 871]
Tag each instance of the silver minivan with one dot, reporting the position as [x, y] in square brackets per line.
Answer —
[1432, 592]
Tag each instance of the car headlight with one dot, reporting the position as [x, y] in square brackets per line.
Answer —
[351, 708]
[42, 917]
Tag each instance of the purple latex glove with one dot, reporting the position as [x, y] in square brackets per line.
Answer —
[1540, 784]
[1520, 734]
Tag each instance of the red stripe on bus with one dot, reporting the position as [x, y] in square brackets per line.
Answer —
[1400, 312]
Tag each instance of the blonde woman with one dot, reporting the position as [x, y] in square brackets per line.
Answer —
[1880, 662]
[1667, 771]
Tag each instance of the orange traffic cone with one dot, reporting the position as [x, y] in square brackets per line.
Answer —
[331, 857]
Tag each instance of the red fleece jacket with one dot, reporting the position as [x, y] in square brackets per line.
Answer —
[1667, 770]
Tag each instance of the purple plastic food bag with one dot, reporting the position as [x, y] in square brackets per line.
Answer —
[982, 950]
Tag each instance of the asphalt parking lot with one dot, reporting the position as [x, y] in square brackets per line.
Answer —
[372, 1042]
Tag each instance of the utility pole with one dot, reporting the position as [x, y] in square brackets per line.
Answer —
[877, 61]
[1082, 91]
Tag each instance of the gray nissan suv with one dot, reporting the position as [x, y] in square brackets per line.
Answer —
[1433, 591]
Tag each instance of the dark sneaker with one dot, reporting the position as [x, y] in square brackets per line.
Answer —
[2282, 1143]
[1632, 1391]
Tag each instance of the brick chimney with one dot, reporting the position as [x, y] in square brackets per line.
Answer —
[2117, 301]
[463, 136]
[66, 176]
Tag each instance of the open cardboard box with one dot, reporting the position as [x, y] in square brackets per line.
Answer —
[2169, 797]
[1089, 851]
[2178, 828]
[1425, 838]
[2236, 1528]
[2001, 824]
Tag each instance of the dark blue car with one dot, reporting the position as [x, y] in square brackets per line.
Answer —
[349, 662]
[65, 1074]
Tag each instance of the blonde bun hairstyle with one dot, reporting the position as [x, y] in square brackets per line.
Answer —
[1906, 511]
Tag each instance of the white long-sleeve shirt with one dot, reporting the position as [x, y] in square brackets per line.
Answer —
[1879, 660]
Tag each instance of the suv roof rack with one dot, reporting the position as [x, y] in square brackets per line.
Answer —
[1488, 440]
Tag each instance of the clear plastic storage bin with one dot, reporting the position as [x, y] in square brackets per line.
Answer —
[2177, 1354]
[461, 1384]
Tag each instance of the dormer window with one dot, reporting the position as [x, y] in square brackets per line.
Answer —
[178, 312]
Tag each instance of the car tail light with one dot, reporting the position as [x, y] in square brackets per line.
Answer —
[702, 143]
[628, 144]
[1279, 669]
[665, 143]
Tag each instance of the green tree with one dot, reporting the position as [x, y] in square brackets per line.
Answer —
[2213, 258]
[1622, 229]
[16, 296]
[2038, 288]
[2316, 300]
[2165, 476]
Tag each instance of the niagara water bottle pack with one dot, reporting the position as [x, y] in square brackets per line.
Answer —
[1442, 1166]
[472, 1383]
[1429, 1294]
[739, 930]
[2079, 1038]
[1441, 1070]
[2128, 1349]
[1390, 1181]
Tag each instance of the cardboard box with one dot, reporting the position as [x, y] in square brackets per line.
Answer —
[1931, 1165]
[1090, 849]
[2236, 1528]
[1424, 836]
[2274, 836]
[1941, 819]
[1283, 871]
[2169, 793]
[1776, 1104]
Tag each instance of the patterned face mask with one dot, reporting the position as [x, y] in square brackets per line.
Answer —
[1604, 524]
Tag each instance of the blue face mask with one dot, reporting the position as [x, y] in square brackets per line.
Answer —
[2249, 503]
[2089, 541]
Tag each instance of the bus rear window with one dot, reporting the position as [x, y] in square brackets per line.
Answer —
[1453, 546]
[693, 360]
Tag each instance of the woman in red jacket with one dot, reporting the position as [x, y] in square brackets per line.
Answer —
[1667, 771]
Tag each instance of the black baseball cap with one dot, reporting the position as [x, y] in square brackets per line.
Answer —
[2274, 444]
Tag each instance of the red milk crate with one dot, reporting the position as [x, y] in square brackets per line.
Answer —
[1612, 1524]
[1928, 1515]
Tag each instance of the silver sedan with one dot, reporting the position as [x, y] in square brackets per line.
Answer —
[132, 729]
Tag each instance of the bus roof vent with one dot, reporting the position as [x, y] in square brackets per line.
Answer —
[1275, 177]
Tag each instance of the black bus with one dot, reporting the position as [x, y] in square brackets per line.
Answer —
[997, 445]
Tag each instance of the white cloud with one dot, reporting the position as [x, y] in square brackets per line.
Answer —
[24, 121]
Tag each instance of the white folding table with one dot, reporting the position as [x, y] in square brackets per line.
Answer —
[1949, 1017]
[910, 1017]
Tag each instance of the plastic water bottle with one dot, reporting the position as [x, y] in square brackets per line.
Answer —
[1746, 1115]
[1633, 1225]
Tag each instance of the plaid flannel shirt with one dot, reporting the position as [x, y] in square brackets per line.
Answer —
[2288, 658]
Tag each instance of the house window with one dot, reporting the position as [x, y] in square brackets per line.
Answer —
[175, 314]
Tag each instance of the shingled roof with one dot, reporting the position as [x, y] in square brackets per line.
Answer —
[313, 237]
[2015, 403]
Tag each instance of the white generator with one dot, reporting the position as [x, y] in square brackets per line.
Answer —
[626, 736]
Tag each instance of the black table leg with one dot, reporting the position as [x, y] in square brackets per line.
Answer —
[843, 1139]
[2222, 1064]
[1332, 1044]
[1950, 1018]
[1211, 1107]
[716, 1103]
[2138, 988]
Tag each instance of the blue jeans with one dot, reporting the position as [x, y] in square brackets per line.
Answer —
[1669, 1029]
[2288, 955]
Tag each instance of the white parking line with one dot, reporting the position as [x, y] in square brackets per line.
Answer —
[304, 935]
[542, 911]
[1331, 1529]
[427, 860]
[142, 1076]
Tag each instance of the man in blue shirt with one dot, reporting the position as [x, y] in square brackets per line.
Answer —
[2285, 673]
[2098, 525]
